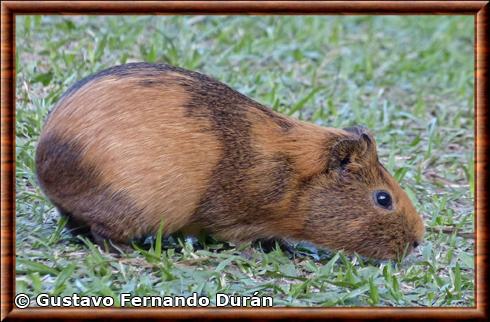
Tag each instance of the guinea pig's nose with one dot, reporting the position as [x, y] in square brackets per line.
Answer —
[415, 244]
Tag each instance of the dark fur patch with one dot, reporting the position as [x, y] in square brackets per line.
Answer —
[76, 191]
[278, 177]
[74, 226]
[228, 201]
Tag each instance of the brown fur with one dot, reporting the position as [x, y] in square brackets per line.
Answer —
[137, 144]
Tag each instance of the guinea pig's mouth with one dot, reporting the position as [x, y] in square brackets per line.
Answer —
[397, 254]
[407, 250]
[401, 244]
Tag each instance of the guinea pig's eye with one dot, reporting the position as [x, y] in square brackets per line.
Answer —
[383, 199]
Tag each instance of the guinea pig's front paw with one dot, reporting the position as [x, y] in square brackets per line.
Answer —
[271, 244]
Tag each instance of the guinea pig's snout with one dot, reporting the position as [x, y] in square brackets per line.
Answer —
[418, 231]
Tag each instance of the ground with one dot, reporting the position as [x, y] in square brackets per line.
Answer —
[408, 78]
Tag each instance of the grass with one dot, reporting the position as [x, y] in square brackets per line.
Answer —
[409, 79]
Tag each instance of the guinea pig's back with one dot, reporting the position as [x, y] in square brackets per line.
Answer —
[120, 149]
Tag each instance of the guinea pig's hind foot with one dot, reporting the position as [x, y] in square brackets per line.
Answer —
[108, 244]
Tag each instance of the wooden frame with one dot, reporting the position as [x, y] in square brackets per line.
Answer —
[9, 9]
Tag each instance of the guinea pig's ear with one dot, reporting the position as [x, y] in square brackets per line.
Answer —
[359, 147]
[363, 133]
[358, 130]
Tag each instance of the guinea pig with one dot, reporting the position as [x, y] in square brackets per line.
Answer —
[140, 144]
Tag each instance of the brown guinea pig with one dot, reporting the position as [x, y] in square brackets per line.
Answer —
[138, 144]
